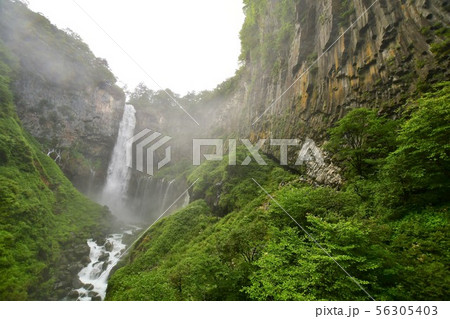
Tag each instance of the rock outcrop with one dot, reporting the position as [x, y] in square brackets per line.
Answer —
[79, 126]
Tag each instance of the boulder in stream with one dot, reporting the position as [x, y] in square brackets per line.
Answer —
[103, 257]
[74, 294]
[88, 286]
[109, 246]
[76, 283]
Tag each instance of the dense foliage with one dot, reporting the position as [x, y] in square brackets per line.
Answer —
[42, 215]
[265, 39]
[361, 141]
[388, 225]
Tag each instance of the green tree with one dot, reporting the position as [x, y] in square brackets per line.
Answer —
[420, 246]
[419, 169]
[293, 267]
[360, 141]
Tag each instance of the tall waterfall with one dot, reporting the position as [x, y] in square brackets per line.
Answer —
[116, 186]
[149, 198]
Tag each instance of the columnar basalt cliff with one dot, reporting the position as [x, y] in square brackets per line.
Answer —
[310, 62]
[65, 96]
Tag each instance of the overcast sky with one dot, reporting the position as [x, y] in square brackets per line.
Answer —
[183, 45]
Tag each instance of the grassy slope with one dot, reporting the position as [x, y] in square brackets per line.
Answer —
[41, 213]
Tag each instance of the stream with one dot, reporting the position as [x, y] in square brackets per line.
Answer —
[103, 259]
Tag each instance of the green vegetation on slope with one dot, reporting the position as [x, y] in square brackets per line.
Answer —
[272, 47]
[387, 226]
[42, 216]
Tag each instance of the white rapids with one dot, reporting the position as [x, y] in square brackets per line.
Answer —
[103, 258]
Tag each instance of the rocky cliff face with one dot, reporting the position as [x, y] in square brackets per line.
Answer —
[65, 96]
[78, 128]
[378, 62]
[309, 62]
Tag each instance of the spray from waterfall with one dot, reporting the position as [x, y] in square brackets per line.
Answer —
[116, 185]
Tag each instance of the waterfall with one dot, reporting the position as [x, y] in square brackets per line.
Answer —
[147, 200]
[103, 258]
[90, 189]
[116, 186]
[187, 199]
[150, 197]
[94, 276]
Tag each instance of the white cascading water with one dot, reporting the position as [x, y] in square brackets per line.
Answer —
[95, 275]
[103, 258]
[116, 186]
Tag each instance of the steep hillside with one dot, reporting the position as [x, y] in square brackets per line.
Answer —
[44, 220]
[65, 96]
[388, 226]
